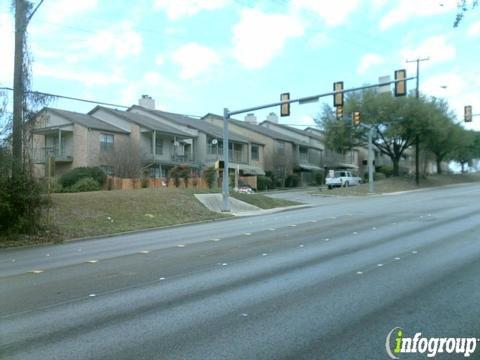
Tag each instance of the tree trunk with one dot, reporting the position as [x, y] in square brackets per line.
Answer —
[439, 165]
[396, 167]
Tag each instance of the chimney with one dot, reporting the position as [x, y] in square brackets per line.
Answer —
[251, 118]
[147, 102]
[272, 117]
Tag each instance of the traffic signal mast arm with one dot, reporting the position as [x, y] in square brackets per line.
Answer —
[314, 98]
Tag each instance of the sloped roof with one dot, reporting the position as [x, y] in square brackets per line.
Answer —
[85, 120]
[298, 131]
[144, 121]
[190, 122]
[261, 130]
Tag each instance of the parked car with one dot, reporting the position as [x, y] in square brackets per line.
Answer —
[245, 190]
[341, 178]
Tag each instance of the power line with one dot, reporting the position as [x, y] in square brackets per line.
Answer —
[69, 98]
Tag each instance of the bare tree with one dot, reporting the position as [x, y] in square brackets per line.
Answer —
[125, 160]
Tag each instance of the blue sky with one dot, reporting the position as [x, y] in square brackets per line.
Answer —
[199, 56]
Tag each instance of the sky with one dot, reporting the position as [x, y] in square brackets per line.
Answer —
[200, 56]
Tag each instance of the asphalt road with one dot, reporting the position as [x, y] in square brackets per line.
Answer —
[326, 282]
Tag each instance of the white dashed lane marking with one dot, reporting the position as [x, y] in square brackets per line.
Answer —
[36, 271]
[92, 261]
[180, 245]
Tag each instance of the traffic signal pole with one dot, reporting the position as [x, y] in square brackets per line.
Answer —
[304, 100]
[226, 202]
[417, 136]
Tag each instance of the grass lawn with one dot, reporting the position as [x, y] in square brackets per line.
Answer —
[262, 201]
[75, 215]
[107, 212]
[402, 184]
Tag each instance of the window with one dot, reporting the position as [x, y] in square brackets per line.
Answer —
[280, 147]
[158, 145]
[303, 154]
[255, 152]
[106, 142]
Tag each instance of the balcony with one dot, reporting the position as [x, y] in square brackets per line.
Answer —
[41, 155]
[236, 156]
[181, 159]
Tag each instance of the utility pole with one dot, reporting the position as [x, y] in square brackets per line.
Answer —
[18, 85]
[21, 22]
[417, 136]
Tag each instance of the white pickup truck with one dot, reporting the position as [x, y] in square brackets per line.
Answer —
[341, 178]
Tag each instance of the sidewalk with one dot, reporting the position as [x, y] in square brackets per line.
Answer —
[214, 202]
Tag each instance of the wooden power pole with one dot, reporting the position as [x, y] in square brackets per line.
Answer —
[18, 85]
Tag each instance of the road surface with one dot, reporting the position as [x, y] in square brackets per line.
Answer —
[326, 282]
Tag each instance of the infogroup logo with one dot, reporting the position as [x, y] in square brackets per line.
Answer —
[396, 344]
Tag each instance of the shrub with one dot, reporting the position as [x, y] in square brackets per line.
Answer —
[384, 169]
[319, 177]
[209, 176]
[20, 203]
[175, 174]
[292, 180]
[85, 184]
[184, 174]
[264, 183]
[73, 176]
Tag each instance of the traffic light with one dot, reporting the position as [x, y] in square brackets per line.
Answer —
[338, 97]
[285, 108]
[468, 113]
[401, 83]
[356, 118]
[339, 112]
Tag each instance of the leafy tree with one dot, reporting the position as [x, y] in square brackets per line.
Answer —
[340, 136]
[396, 120]
[468, 148]
[443, 136]
[462, 8]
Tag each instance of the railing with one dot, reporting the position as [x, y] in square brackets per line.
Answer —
[40, 155]
[181, 158]
[237, 156]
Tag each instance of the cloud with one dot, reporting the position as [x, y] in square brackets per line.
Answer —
[85, 77]
[333, 13]
[62, 10]
[406, 10]
[259, 36]
[6, 39]
[319, 40]
[121, 41]
[444, 85]
[474, 29]
[194, 60]
[436, 48]
[177, 9]
[159, 59]
[367, 61]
